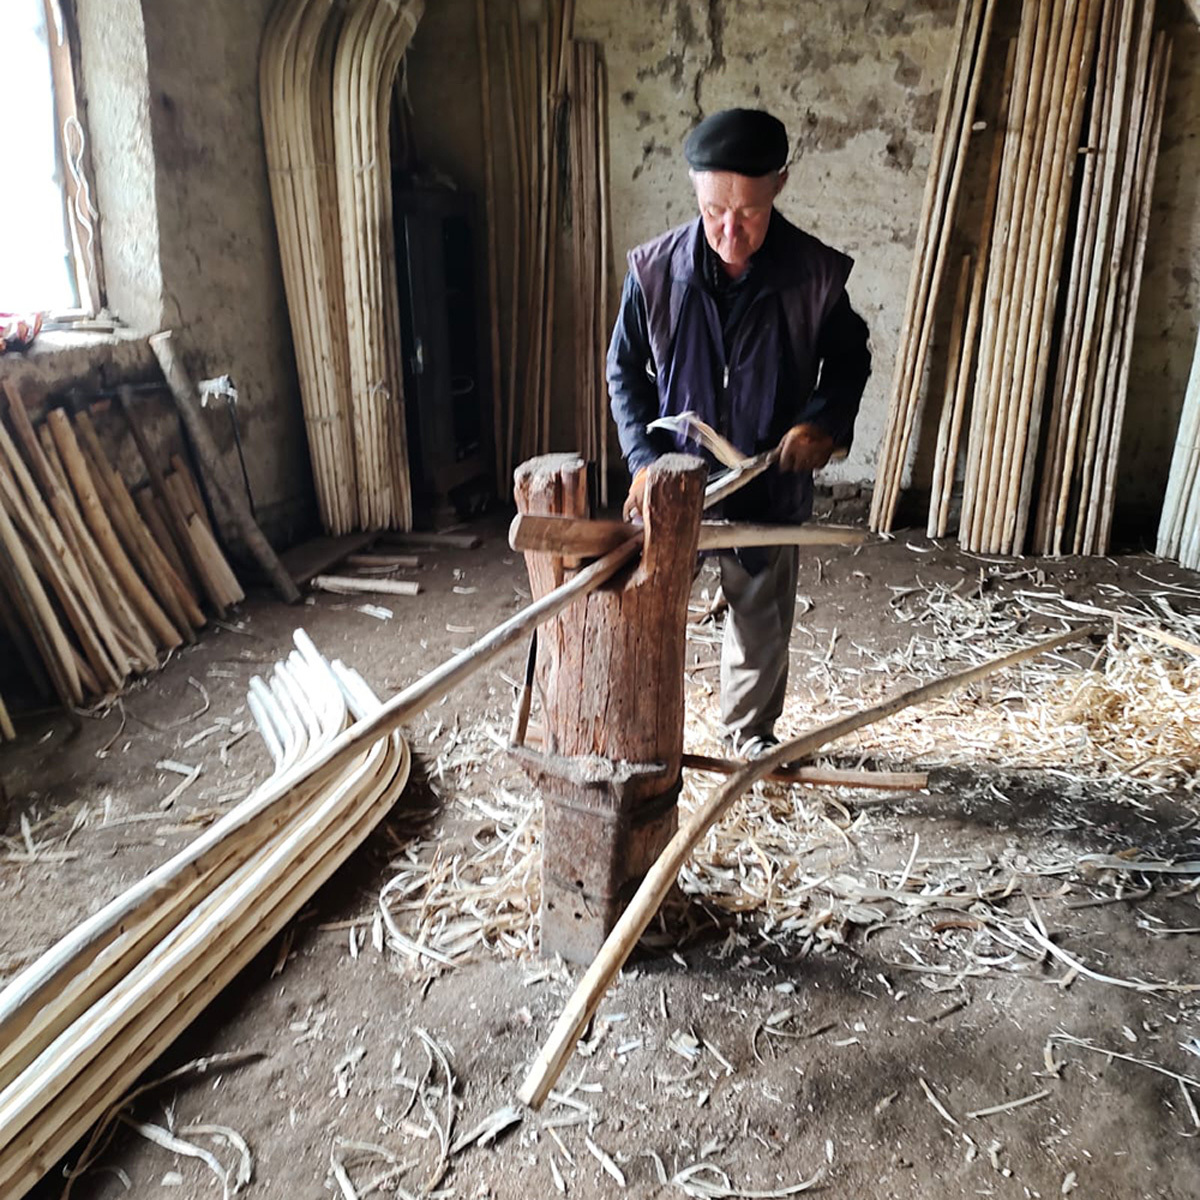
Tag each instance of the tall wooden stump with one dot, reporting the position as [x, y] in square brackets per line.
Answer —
[610, 676]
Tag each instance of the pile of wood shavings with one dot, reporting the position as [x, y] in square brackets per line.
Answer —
[1126, 712]
[783, 866]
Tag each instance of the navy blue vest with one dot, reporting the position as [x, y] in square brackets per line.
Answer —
[760, 392]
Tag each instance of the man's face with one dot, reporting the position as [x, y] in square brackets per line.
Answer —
[736, 210]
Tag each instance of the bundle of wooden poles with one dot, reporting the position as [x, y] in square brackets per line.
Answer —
[327, 73]
[1179, 529]
[1090, 387]
[554, 102]
[81, 1023]
[952, 134]
[96, 582]
[1041, 330]
[78, 1025]
[590, 238]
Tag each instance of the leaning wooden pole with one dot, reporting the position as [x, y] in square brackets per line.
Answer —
[216, 469]
[661, 877]
[493, 275]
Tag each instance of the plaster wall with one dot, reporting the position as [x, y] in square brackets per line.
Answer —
[116, 89]
[222, 282]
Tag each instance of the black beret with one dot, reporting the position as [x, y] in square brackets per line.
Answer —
[746, 141]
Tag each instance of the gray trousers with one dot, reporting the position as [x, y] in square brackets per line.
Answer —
[754, 652]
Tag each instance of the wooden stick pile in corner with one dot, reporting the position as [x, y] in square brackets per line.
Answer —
[1041, 331]
[97, 580]
[326, 77]
[81, 1023]
[555, 105]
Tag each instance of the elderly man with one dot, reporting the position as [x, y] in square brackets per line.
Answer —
[743, 319]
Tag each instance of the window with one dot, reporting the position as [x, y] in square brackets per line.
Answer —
[49, 258]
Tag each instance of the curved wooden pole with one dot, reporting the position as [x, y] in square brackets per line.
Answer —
[661, 877]
[86, 941]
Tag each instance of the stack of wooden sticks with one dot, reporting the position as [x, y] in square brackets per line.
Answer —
[96, 581]
[1042, 326]
[326, 77]
[556, 117]
[1087, 401]
[960, 94]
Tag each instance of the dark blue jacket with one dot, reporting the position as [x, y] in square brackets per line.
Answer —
[780, 347]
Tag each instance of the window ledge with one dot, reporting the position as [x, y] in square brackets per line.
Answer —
[62, 360]
[59, 341]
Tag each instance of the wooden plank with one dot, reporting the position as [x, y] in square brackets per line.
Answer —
[350, 585]
[578, 536]
[448, 541]
[317, 555]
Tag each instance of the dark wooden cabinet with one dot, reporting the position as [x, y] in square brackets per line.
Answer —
[443, 317]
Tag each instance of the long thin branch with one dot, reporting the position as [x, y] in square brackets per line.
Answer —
[659, 879]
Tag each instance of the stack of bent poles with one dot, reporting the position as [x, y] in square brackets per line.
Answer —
[327, 73]
[80, 1024]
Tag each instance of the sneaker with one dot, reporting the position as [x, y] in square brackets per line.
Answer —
[757, 746]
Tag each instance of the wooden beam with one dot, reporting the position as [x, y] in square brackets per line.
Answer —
[578, 536]
[892, 781]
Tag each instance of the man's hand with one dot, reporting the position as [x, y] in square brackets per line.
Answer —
[805, 448]
[637, 493]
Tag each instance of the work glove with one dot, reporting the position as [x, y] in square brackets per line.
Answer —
[637, 494]
[805, 448]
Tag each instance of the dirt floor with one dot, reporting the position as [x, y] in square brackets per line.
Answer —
[848, 982]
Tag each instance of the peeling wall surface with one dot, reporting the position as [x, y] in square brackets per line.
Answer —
[113, 43]
[223, 285]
